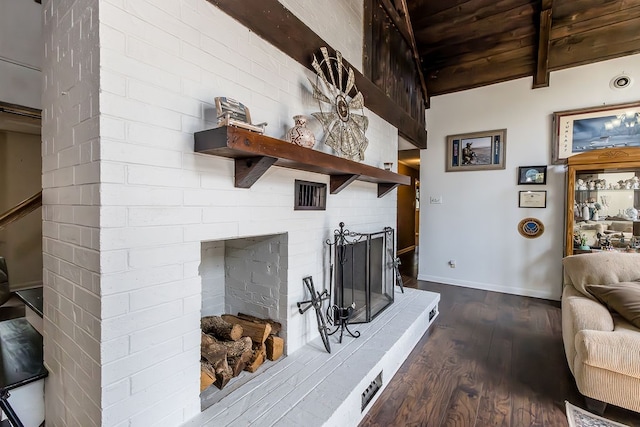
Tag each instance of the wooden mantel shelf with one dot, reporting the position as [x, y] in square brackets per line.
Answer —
[255, 153]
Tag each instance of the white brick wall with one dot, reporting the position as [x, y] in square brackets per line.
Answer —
[123, 293]
[72, 331]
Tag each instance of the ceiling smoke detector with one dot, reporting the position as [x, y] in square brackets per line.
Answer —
[621, 81]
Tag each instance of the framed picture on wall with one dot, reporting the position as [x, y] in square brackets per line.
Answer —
[532, 199]
[532, 175]
[587, 129]
[476, 151]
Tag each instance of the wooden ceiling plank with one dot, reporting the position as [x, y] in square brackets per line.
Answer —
[478, 49]
[431, 7]
[473, 11]
[503, 67]
[447, 34]
[541, 76]
[270, 20]
[477, 45]
[591, 23]
[608, 42]
[570, 12]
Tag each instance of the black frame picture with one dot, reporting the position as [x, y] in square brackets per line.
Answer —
[532, 175]
[532, 199]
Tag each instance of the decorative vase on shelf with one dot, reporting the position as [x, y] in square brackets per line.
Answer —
[300, 134]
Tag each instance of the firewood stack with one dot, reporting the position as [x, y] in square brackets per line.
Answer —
[231, 344]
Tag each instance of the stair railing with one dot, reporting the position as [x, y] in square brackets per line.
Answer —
[23, 208]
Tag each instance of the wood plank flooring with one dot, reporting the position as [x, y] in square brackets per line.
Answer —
[490, 359]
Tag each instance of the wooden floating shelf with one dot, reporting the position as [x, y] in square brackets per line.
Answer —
[255, 153]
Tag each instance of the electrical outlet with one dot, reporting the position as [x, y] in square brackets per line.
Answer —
[435, 200]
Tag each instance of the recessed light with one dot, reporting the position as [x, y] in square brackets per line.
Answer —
[621, 81]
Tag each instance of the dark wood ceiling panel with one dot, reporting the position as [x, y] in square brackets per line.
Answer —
[470, 29]
[480, 48]
[602, 20]
[601, 43]
[470, 43]
[469, 12]
[566, 12]
[506, 66]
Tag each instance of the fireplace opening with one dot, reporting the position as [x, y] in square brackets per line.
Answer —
[243, 278]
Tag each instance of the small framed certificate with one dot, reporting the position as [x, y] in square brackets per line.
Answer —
[532, 199]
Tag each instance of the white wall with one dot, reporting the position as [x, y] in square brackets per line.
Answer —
[159, 67]
[476, 223]
[20, 52]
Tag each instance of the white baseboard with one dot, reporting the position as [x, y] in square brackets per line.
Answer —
[491, 287]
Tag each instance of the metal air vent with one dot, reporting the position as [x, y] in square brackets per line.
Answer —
[310, 196]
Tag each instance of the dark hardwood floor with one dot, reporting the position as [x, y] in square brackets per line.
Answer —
[490, 359]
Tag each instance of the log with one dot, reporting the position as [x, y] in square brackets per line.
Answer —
[223, 373]
[221, 329]
[238, 363]
[276, 327]
[211, 349]
[207, 375]
[259, 355]
[216, 355]
[275, 347]
[258, 332]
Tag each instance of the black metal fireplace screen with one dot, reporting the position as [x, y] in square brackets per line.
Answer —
[363, 269]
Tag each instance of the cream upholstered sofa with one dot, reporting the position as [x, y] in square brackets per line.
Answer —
[602, 347]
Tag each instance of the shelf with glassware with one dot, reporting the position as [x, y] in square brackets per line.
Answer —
[603, 198]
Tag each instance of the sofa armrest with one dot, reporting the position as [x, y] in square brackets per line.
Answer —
[585, 313]
[617, 351]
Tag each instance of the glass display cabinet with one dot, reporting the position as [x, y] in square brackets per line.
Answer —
[603, 199]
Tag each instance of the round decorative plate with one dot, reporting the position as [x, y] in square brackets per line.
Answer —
[531, 228]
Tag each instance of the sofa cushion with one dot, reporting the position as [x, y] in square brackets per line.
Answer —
[601, 268]
[623, 298]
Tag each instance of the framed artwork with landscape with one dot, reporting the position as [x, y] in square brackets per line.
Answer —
[532, 175]
[476, 151]
[587, 129]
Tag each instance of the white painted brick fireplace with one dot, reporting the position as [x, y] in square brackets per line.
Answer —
[128, 204]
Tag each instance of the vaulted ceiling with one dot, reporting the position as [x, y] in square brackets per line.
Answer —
[464, 44]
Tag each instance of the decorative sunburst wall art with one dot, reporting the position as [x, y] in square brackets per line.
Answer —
[341, 107]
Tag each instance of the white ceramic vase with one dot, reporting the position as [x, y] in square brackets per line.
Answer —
[300, 134]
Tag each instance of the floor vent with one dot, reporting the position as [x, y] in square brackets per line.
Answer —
[310, 196]
[371, 391]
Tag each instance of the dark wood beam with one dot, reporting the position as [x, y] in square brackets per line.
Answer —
[270, 20]
[541, 76]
